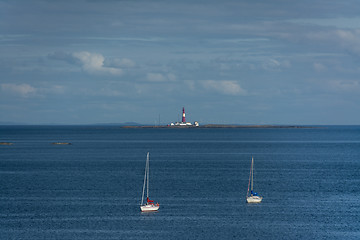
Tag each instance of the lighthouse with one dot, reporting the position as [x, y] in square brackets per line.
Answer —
[183, 116]
[183, 122]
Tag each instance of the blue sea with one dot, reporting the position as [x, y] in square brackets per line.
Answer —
[309, 179]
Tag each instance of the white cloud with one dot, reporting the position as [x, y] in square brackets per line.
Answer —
[125, 62]
[319, 67]
[339, 22]
[57, 89]
[171, 77]
[119, 63]
[158, 77]
[275, 65]
[345, 85]
[346, 39]
[26, 90]
[109, 92]
[23, 90]
[155, 77]
[225, 87]
[94, 63]
[349, 39]
[102, 92]
[190, 84]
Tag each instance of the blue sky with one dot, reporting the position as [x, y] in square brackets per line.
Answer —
[232, 61]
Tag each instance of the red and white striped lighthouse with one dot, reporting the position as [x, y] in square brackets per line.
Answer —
[183, 115]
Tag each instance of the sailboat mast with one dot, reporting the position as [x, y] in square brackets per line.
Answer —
[142, 198]
[252, 174]
[148, 175]
[247, 194]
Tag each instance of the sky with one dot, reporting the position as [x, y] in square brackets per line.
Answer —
[226, 62]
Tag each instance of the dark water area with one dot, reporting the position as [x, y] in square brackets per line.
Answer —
[91, 189]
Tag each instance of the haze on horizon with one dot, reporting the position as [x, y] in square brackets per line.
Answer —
[242, 62]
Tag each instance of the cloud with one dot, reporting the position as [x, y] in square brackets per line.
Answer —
[345, 39]
[158, 77]
[57, 89]
[275, 65]
[119, 63]
[100, 92]
[349, 39]
[62, 56]
[319, 67]
[23, 90]
[224, 87]
[345, 85]
[190, 84]
[94, 63]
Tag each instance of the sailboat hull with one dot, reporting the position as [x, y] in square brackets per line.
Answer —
[253, 199]
[149, 207]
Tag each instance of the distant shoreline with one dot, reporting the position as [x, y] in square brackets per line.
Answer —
[220, 126]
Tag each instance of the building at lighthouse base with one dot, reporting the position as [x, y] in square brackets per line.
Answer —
[195, 124]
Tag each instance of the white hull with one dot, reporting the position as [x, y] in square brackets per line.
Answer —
[149, 207]
[253, 199]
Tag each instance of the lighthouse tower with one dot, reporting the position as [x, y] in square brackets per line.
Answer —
[183, 116]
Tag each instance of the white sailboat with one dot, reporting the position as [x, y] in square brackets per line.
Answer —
[253, 197]
[149, 205]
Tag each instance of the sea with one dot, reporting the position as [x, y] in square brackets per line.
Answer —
[309, 179]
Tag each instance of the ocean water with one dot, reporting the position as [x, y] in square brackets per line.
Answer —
[309, 178]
